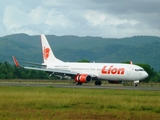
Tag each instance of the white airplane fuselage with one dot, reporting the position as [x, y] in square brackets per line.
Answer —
[105, 71]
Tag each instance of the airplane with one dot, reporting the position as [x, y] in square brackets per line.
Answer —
[86, 72]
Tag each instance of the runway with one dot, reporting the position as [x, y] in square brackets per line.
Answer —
[78, 86]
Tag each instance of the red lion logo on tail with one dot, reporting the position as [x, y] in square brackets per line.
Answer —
[46, 53]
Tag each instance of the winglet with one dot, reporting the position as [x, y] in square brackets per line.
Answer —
[15, 61]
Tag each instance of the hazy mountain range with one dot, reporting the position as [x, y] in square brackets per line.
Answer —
[139, 49]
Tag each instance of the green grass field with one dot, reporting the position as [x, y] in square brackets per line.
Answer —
[49, 103]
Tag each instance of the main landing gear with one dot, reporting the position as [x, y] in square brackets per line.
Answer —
[98, 82]
[78, 83]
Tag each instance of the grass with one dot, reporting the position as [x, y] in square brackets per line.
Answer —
[46, 103]
[104, 82]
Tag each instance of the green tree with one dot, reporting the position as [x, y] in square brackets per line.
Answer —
[83, 60]
[156, 78]
[17, 72]
[6, 70]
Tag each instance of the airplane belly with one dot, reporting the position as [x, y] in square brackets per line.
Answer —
[124, 77]
[110, 77]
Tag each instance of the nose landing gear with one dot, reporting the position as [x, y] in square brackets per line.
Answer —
[136, 83]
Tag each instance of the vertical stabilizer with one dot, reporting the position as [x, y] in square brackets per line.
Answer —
[48, 56]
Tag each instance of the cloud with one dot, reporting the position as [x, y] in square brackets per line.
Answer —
[14, 17]
[105, 18]
[43, 19]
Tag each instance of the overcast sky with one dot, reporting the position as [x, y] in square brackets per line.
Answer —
[103, 18]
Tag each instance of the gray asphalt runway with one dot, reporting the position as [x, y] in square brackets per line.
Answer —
[78, 86]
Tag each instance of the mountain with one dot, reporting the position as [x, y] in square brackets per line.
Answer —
[139, 49]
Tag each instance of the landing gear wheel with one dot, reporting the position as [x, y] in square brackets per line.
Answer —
[135, 85]
[98, 82]
[78, 83]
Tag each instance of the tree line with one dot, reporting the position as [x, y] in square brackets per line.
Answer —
[8, 71]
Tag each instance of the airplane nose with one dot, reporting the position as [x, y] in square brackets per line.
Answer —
[145, 75]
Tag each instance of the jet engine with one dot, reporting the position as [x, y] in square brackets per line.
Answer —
[115, 82]
[83, 78]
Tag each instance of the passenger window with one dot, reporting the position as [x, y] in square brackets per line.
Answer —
[139, 69]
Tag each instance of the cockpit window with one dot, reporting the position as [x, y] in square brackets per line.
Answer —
[139, 69]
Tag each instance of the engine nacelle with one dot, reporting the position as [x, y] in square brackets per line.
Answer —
[115, 82]
[83, 78]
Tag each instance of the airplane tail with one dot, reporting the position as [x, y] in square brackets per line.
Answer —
[48, 56]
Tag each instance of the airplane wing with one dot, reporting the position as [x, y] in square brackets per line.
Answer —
[18, 65]
[32, 63]
[67, 72]
[43, 68]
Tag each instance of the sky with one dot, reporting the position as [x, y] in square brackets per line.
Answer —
[100, 18]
